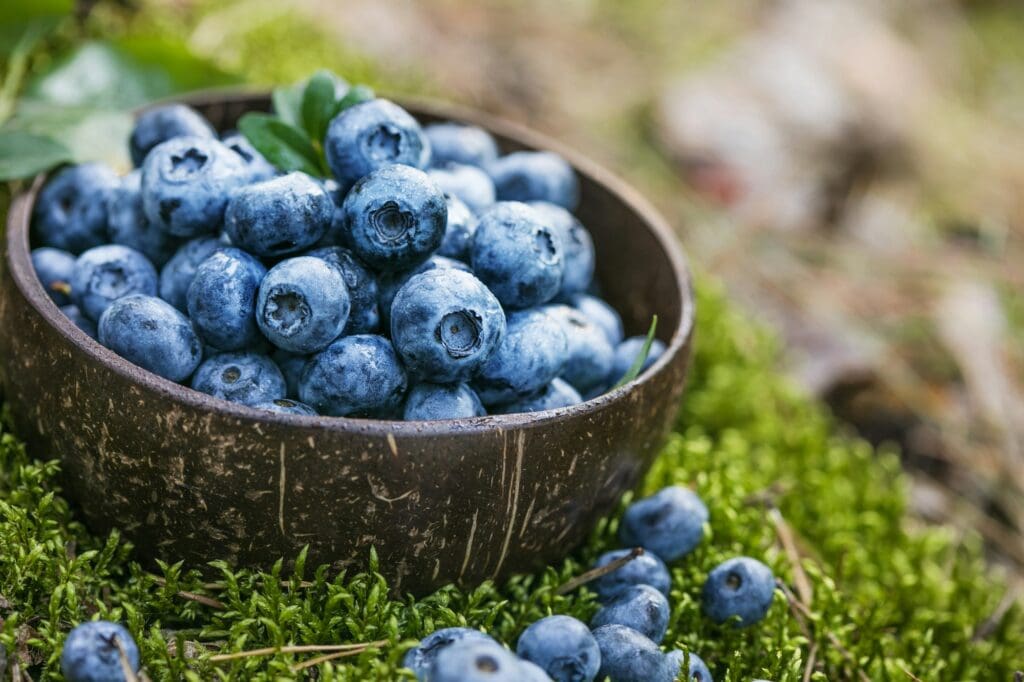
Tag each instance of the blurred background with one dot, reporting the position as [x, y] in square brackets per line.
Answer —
[852, 172]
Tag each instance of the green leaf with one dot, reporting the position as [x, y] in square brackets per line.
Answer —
[318, 103]
[173, 56]
[22, 154]
[287, 101]
[20, 16]
[356, 95]
[89, 134]
[284, 146]
[638, 364]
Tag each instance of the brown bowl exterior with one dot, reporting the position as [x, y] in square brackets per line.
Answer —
[186, 476]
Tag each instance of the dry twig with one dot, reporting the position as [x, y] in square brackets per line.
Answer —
[595, 573]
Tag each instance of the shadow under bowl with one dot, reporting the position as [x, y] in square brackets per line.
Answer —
[186, 476]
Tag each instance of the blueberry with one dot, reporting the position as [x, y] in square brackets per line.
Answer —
[371, 135]
[70, 212]
[364, 314]
[396, 217]
[600, 313]
[420, 658]
[246, 378]
[627, 352]
[553, 396]
[303, 304]
[358, 376]
[177, 275]
[152, 334]
[640, 607]
[517, 255]
[286, 406]
[128, 225]
[442, 401]
[669, 523]
[535, 176]
[278, 217]
[590, 354]
[741, 587]
[578, 245]
[445, 324]
[475, 661]
[698, 670]
[258, 167]
[469, 183]
[628, 656]
[104, 274]
[222, 299]
[291, 367]
[186, 182]
[646, 569]
[54, 268]
[390, 283]
[458, 233]
[531, 354]
[563, 647]
[458, 143]
[91, 652]
[81, 321]
[163, 123]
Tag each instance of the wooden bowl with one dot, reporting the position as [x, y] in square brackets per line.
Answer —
[186, 476]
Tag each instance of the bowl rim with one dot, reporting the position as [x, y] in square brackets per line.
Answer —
[18, 255]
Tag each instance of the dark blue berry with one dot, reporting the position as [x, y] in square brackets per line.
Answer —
[70, 212]
[469, 183]
[364, 314]
[535, 176]
[222, 299]
[54, 268]
[646, 569]
[669, 523]
[129, 226]
[442, 401]
[280, 216]
[740, 587]
[153, 334]
[163, 123]
[420, 658]
[371, 135]
[628, 656]
[177, 275]
[303, 304]
[640, 607]
[458, 143]
[590, 354]
[358, 376]
[531, 354]
[246, 378]
[106, 273]
[563, 647]
[92, 652]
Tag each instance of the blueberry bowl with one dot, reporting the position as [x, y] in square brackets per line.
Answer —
[186, 476]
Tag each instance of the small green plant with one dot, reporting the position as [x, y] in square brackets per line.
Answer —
[638, 364]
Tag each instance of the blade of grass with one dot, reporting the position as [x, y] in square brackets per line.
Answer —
[634, 370]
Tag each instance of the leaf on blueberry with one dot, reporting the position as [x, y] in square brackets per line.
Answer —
[318, 105]
[287, 100]
[634, 370]
[286, 147]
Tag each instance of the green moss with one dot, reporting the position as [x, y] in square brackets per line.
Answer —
[887, 599]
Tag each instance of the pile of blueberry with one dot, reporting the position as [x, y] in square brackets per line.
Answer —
[430, 278]
[621, 644]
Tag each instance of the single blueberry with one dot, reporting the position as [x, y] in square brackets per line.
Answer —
[259, 168]
[391, 282]
[186, 183]
[669, 523]
[302, 304]
[357, 376]
[54, 268]
[396, 217]
[531, 354]
[364, 314]
[442, 401]
[70, 212]
[600, 313]
[640, 607]
[128, 225]
[458, 233]
[741, 587]
[563, 647]
[646, 569]
[420, 658]
[246, 378]
[81, 321]
[222, 299]
[104, 274]
[278, 217]
[92, 652]
[291, 366]
[286, 406]
[177, 275]
[627, 352]
[578, 244]
[698, 670]
[163, 123]
[517, 255]
[590, 354]
[535, 176]
[445, 324]
[553, 396]
[371, 135]
[152, 334]
[469, 183]
[475, 661]
[457, 143]
[628, 656]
